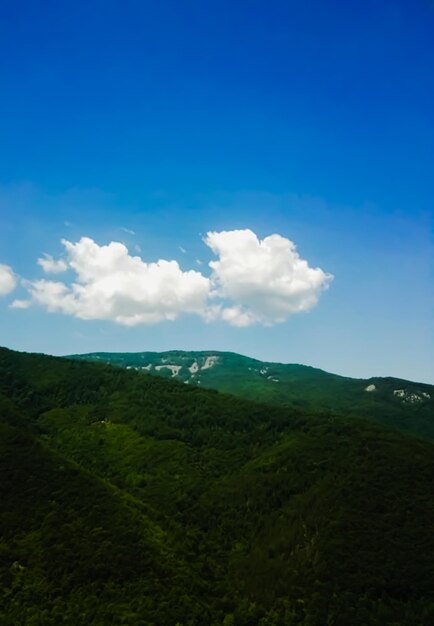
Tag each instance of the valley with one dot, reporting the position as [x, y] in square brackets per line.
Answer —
[136, 499]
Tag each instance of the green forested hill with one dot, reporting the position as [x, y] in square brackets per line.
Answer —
[130, 499]
[75, 550]
[403, 404]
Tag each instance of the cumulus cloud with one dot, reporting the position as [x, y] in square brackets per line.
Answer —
[252, 281]
[52, 266]
[8, 280]
[110, 284]
[266, 280]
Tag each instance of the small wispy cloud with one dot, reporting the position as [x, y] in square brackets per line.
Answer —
[20, 304]
[52, 266]
[128, 230]
[183, 250]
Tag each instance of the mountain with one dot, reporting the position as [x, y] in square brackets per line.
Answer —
[403, 404]
[131, 499]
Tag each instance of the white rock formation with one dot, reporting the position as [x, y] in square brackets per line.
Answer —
[194, 368]
[173, 368]
[209, 362]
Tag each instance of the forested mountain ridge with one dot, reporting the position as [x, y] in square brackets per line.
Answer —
[403, 404]
[205, 508]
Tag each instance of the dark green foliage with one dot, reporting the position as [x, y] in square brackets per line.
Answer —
[68, 538]
[130, 499]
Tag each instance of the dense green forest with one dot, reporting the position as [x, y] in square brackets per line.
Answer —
[403, 404]
[132, 499]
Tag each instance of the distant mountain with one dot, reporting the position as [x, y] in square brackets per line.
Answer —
[405, 405]
[130, 499]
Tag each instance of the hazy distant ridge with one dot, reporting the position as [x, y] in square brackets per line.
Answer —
[403, 404]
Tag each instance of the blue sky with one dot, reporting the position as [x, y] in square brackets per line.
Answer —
[311, 120]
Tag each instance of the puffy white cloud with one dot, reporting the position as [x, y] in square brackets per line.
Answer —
[8, 280]
[252, 281]
[265, 279]
[51, 266]
[110, 284]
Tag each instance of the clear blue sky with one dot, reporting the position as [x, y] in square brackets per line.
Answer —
[312, 120]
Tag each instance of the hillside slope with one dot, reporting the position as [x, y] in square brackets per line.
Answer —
[403, 404]
[248, 514]
[67, 539]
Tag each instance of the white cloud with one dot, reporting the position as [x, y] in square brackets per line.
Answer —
[110, 284]
[51, 266]
[8, 280]
[252, 281]
[21, 304]
[128, 230]
[236, 316]
[266, 280]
